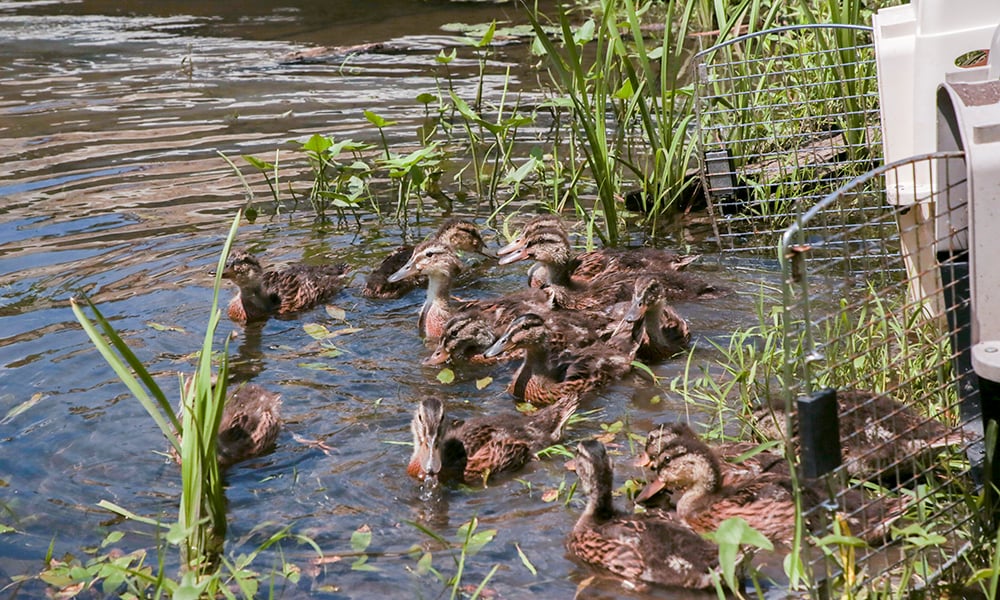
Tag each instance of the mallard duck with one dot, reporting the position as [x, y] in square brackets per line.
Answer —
[664, 332]
[468, 334]
[289, 290]
[585, 267]
[545, 375]
[251, 420]
[551, 249]
[651, 547]
[752, 480]
[879, 436]
[739, 461]
[477, 449]
[459, 234]
[689, 468]
[440, 265]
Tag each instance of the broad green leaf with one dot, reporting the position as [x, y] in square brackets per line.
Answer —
[426, 98]
[361, 538]
[112, 538]
[258, 163]
[316, 331]
[424, 564]
[446, 376]
[317, 144]
[336, 312]
[377, 120]
[361, 564]
[482, 383]
[316, 366]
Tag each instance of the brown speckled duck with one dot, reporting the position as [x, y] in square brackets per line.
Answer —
[551, 249]
[585, 267]
[477, 449]
[753, 481]
[459, 234]
[879, 436]
[439, 263]
[664, 332]
[546, 375]
[652, 547]
[739, 461]
[251, 420]
[687, 467]
[282, 292]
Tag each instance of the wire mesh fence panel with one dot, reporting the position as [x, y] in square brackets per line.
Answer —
[884, 324]
[785, 117]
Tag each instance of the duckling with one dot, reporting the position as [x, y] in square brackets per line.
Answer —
[879, 436]
[651, 547]
[459, 234]
[750, 474]
[587, 266]
[688, 467]
[545, 376]
[551, 249]
[251, 420]
[664, 332]
[740, 461]
[477, 449]
[440, 264]
[263, 293]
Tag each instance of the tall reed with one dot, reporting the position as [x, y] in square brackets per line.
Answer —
[201, 521]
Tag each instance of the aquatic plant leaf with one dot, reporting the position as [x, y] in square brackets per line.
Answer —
[377, 120]
[361, 538]
[550, 495]
[317, 144]
[161, 327]
[426, 98]
[316, 331]
[335, 312]
[258, 163]
[361, 564]
[20, 408]
[524, 560]
[424, 564]
[730, 535]
[316, 366]
[446, 376]
[485, 381]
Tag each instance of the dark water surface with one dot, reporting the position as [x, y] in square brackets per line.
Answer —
[111, 114]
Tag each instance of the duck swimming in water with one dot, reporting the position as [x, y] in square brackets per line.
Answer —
[282, 292]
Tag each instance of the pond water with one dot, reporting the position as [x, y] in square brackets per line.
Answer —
[112, 116]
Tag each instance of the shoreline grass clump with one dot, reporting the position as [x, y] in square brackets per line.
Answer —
[200, 529]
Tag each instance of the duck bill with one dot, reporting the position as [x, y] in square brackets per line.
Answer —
[439, 357]
[652, 488]
[500, 346]
[407, 270]
[635, 311]
[514, 256]
[642, 460]
[518, 244]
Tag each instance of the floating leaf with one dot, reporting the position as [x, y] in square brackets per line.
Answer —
[361, 564]
[20, 408]
[345, 331]
[446, 376]
[113, 538]
[336, 312]
[330, 352]
[525, 561]
[161, 327]
[6, 529]
[316, 331]
[316, 366]
[424, 564]
[550, 495]
[485, 381]
[361, 538]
